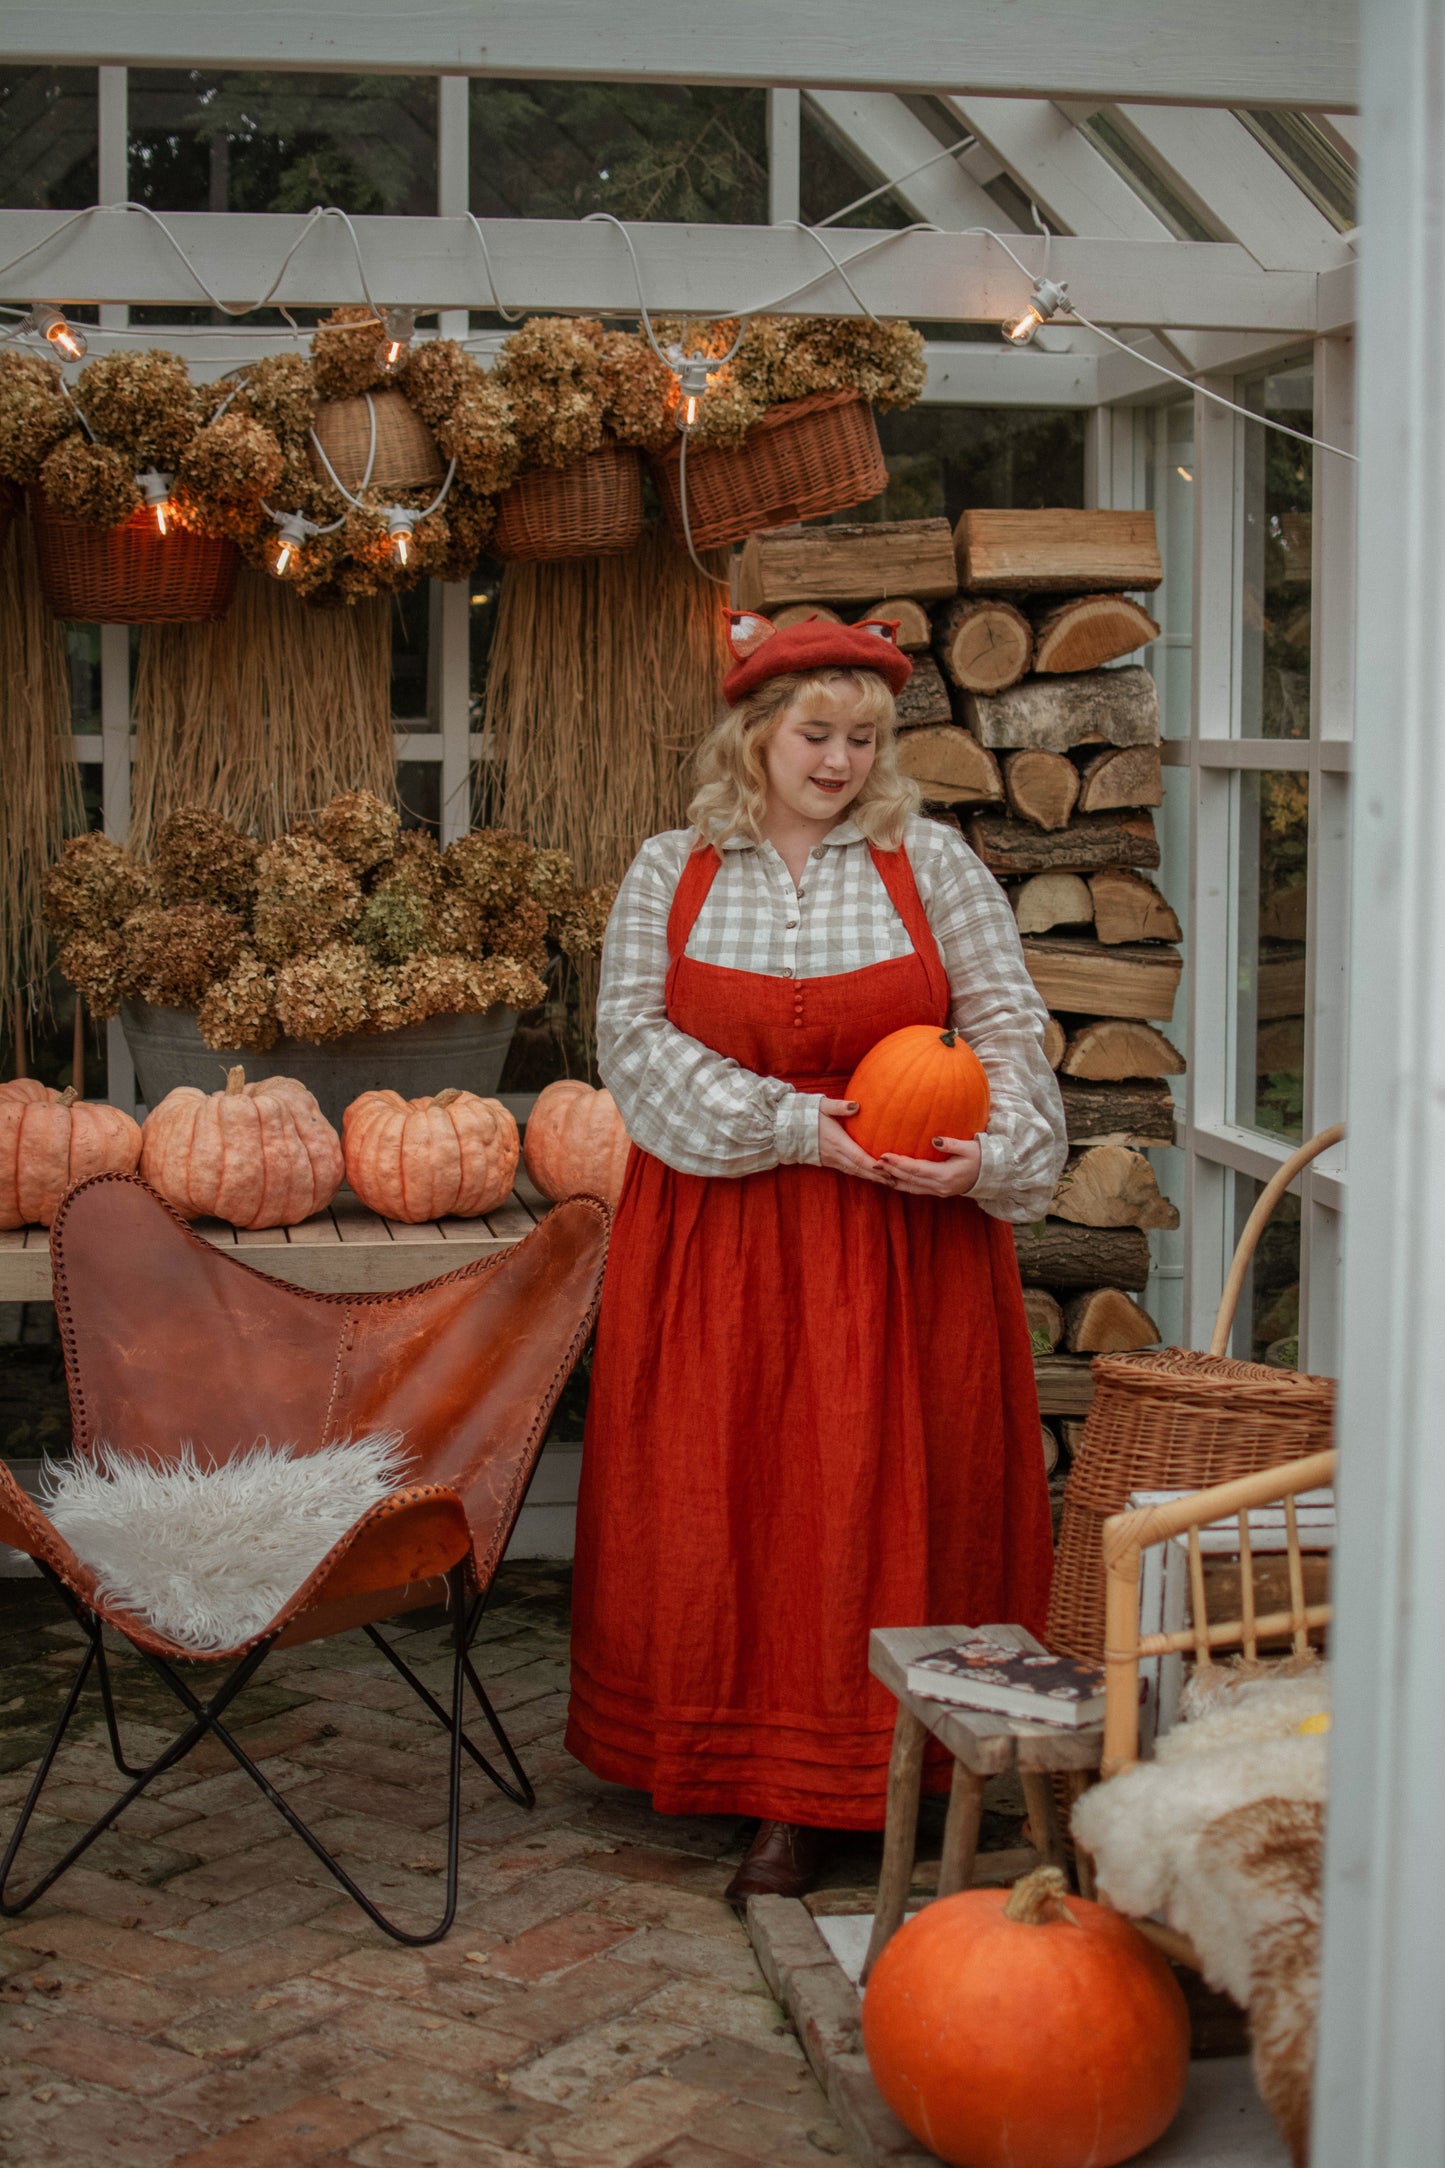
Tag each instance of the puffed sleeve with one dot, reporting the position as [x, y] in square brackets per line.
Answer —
[997, 1008]
[693, 1109]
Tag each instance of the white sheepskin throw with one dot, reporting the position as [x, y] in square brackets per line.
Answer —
[209, 1554]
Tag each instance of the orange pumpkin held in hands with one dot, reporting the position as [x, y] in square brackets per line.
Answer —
[255, 1155]
[575, 1144]
[450, 1157]
[51, 1140]
[917, 1084]
[1027, 2028]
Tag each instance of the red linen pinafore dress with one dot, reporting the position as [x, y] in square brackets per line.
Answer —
[812, 1412]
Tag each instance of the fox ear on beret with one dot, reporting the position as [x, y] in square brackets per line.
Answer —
[882, 628]
[747, 632]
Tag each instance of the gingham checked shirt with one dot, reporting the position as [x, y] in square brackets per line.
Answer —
[705, 1114]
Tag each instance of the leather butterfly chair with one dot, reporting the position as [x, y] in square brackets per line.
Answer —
[169, 1339]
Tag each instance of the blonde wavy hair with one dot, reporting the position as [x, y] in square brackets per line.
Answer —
[732, 782]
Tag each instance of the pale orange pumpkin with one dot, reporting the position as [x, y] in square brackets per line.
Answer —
[575, 1144]
[51, 1140]
[255, 1155]
[917, 1084]
[450, 1157]
[1027, 2026]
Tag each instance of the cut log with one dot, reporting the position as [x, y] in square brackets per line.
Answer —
[985, 646]
[1124, 775]
[1048, 1439]
[1052, 1253]
[1057, 552]
[1107, 1322]
[1088, 631]
[1055, 1040]
[1083, 978]
[1111, 1186]
[1044, 1318]
[1127, 1113]
[1065, 1384]
[949, 766]
[798, 613]
[924, 699]
[848, 563]
[1041, 788]
[1129, 908]
[1053, 899]
[1051, 714]
[1111, 1050]
[915, 628]
[1073, 1434]
[1085, 846]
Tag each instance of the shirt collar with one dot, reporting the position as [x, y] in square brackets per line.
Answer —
[846, 832]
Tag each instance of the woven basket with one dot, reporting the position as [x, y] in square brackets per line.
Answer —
[1179, 1420]
[406, 456]
[807, 457]
[592, 508]
[131, 574]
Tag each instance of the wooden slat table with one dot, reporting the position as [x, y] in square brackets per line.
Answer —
[346, 1250]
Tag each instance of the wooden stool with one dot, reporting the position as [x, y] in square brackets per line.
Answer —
[982, 1746]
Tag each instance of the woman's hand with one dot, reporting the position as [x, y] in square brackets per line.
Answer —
[950, 1177]
[836, 1148]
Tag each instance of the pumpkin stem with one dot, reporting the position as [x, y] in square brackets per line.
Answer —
[1038, 1898]
[444, 1099]
[235, 1081]
[949, 1037]
[69, 1096]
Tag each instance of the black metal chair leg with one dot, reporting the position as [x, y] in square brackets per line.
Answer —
[108, 1703]
[521, 1794]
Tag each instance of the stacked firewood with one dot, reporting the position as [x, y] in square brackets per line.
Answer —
[1049, 759]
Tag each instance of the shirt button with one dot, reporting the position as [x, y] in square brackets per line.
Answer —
[792, 926]
[819, 850]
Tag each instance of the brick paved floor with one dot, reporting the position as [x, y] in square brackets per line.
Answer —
[200, 1991]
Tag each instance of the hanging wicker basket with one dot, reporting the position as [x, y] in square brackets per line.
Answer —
[1179, 1420]
[592, 508]
[803, 459]
[402, 454]
[131, 574]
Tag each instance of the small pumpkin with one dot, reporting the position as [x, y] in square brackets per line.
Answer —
[575, 1144]
[917, 1084]
[1027, 2026]
[51, 1140]
[255, 1155]
[450, 1157]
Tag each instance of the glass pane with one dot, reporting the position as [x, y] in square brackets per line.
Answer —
[831, 177]
[419, 792]
[1266, 1326]
[1277, 535]
[1273, 899]
[666, 151]
[82, 655]
[244, 142]
[1170, 496]
[48, 147]
[943, 458]
[411, 653]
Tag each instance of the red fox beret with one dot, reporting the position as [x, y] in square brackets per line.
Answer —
[763, 652]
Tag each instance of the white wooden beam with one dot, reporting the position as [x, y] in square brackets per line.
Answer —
[1230, 180]
[1058, 168]
[116, 255]
[889, 140]
[1232, 52]
[785, 156]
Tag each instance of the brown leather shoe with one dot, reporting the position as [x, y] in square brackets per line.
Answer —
[782, 1861]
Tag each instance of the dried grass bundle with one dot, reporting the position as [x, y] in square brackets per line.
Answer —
[605, 674]
[39, 786]
[265, 716]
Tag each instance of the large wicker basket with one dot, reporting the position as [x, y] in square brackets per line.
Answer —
[403, 456]
[131, 574]
[592, 508]
[803, 459]
[1179, 1420]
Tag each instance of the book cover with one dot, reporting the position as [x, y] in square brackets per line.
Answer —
[996, 1676]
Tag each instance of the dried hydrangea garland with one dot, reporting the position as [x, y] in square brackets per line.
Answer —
[350, 924]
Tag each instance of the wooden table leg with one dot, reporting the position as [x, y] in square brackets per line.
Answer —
[960, 1831]
[900, 1832]
[1076, 1783]
[1043, 1822]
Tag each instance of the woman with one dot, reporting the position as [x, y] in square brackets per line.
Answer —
[813, 1405]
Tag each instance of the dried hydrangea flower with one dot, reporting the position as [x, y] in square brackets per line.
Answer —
[176, 952]
[458, 926]
[501, 982]
[90, 483]
[224, 472]
[396, 923]
[94, 885]
[359, 827]
[459, 986]
[435, 374]
[417, 861]
[305, 897]
[324, 996]
[201, 857]
[240, 1009]
[550, 878]
[388, 1006]
[141, 405]
[470, 520]
[579, 927]
[551, 371]
[280, 393]
[480, 433]
[521, 935]
[348, 352]
[34, 415]
[491, 866]
[639, 392]
[96, 965]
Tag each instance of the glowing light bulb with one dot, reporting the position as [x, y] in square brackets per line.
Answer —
[68, 343]
[292, 530]
[401, 543]
[1045, 301]
[399, 325]
[156, 489]
[285, 551]
[400, 522]
[692, 382]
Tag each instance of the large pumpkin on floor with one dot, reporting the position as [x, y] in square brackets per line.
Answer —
[1027, 2028]
[50, 1140]
[255, 1155]
[575, 1144]
[917, 1084]
[450, 1157]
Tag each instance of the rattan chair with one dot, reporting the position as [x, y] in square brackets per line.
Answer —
[170, 1341]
